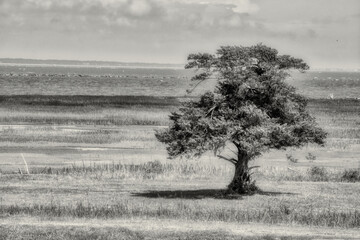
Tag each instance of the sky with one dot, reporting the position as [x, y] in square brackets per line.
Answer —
[325, 33]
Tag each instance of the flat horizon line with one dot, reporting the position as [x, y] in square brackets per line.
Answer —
[106, 63]
[30, 60]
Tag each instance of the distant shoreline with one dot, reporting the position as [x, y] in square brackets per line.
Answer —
[114, 65]
[88, 66]
[84, 64]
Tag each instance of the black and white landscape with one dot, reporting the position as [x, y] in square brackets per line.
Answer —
[179, 119]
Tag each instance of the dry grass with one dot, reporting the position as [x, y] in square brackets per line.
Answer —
[340, 118]
[187, 170]
[309, 174]
[292, 194]
[280, 213]
[169, 171]
[119, 233]
[85, 196]
[86, 110]
[86, 101]
[179, 190]
[89, 116]
[56, 134]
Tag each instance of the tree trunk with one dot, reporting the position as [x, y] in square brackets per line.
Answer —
[241, 182]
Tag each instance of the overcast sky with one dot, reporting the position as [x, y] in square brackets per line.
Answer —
[326, 33]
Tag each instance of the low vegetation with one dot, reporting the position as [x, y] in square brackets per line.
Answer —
[280, 213]
[83, 100]
[179, 192]
[148, 170]
[53, 134]
[306, 189]
[120, 233]
[197, 170]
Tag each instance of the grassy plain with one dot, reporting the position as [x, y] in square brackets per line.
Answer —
[97, 170]
[183, 203]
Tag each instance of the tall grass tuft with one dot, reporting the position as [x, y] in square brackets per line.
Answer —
[271, 214]
[149, 170]
[196, 170]
[312, 174]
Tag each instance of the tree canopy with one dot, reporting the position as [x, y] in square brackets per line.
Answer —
[251, 107]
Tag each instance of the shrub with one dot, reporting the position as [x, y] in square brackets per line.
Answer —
[318, 174]
[290, 158]
[151, 169]
[310, 157]
[351, 175]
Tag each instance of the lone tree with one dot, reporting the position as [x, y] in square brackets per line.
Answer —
[252, 108]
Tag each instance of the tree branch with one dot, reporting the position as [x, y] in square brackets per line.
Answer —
[232, 160]
[253, 167]
[190, 90]
[232, 150]
[211, 111]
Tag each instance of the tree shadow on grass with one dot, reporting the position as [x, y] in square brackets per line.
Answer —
[203, 193]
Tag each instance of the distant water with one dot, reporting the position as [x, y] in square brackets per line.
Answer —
[56, 80]
[92, 81]
[326, 84]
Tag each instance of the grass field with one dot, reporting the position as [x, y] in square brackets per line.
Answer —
[96, 169]
[51, 202]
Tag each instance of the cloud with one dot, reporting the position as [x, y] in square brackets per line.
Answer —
[238, 6]
[163, 14]
[170, 28]
[76, 14]
[139, 7]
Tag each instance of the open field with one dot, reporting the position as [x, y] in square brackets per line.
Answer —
[50, 131]
[94, 161]
[52, 202]
[32, 228]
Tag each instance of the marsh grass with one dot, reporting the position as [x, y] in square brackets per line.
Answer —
[198, 170]
[121, 233]
[100, 189]
[90, 116]
[340, 118]
[67, 233]
[148, 170]
[164, 191]
[86, 110]
[83, 100]
[53, 134]
[274, 213]
[309, 174]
